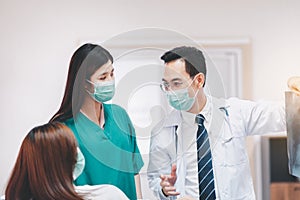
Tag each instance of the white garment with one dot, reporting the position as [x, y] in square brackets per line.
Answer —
[228, 122]
[100, 192]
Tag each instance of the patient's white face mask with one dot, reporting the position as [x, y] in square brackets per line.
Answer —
[79, 166]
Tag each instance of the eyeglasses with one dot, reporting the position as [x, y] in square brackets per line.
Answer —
[174, 85]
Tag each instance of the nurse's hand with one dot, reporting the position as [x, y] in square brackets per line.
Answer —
[294, 84]
[168, 181]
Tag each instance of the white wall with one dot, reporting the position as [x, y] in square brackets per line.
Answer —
[37, 39]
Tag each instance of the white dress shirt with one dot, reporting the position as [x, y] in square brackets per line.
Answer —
[188, 139]
[228, 122]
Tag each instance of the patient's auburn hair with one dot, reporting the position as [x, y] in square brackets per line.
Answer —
[44, 166]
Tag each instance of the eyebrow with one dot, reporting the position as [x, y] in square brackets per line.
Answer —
[174, 79]
[107, 72]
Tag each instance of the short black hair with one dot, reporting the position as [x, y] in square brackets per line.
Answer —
[193, 57]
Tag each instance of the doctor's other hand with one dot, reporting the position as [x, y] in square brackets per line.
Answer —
[294, 84]
[186, 198]
[168, 181]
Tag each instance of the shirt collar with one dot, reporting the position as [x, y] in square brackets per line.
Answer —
[188, 117]
[207, 109]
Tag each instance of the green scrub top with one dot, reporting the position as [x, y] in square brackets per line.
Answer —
[111, 154]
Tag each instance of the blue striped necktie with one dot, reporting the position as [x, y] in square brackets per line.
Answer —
[205, 169]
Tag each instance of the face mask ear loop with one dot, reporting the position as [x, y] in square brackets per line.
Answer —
[191, 84]
[86, 89]
[87, 80]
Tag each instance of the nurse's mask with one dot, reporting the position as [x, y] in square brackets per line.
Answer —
[103, 91]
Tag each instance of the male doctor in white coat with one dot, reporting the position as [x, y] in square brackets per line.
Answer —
[199, 149]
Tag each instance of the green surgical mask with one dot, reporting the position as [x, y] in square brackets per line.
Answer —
[79, 166]
[180, 99]
[103, 91]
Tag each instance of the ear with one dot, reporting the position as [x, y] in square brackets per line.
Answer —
[88, 86]
[200, 80]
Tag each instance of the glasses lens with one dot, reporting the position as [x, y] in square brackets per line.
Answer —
[163, 87]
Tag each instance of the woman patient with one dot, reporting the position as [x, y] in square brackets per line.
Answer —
[44, 168]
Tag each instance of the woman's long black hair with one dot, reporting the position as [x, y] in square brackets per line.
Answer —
[85, 61]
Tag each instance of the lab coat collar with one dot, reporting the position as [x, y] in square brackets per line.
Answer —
[207, 109]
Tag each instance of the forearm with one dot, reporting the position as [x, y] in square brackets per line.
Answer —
[138, 186]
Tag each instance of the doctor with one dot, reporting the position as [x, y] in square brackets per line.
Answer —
[199, 149]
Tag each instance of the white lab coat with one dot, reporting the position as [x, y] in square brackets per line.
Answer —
[232, 120]
[100, 192]
[97, 192]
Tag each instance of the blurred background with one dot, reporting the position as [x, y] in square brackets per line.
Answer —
[259, 40]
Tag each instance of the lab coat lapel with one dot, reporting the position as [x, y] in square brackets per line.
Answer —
[219, 117]
[181, 165]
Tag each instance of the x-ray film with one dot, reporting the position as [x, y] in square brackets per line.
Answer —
[292, 103]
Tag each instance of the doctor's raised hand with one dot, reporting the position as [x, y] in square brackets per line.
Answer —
[205, 135]
[168, 181]
[294, 84]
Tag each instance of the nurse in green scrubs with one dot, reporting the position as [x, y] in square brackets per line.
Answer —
[104, 131]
